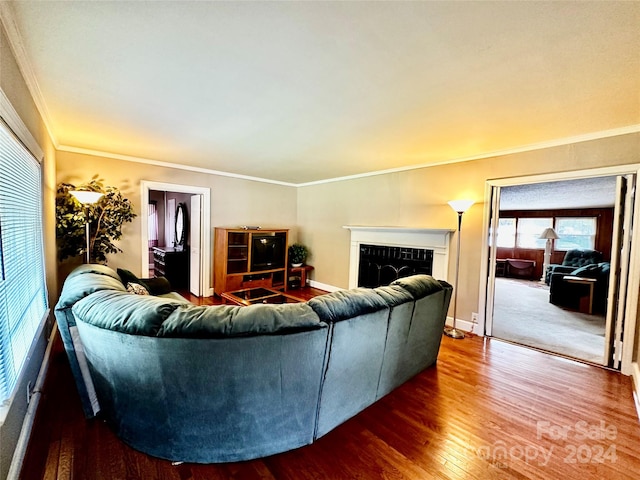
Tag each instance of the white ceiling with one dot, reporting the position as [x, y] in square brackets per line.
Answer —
[566, 194]
[305, 91]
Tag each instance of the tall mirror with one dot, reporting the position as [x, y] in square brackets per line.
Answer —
[181, 226]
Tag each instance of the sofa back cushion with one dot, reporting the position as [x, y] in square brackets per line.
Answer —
[345, 304]
[189, 321]
[579, 258]
[85, 280]
[124, 312]
[419, 285]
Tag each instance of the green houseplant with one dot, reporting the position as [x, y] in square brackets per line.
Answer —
[106, 218]
[298, 254]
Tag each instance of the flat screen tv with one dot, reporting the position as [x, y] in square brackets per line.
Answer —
[267, 252]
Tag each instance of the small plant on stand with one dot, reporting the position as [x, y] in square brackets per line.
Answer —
[298, 254]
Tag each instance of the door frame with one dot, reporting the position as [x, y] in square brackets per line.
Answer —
[631, 304]
[205, 224]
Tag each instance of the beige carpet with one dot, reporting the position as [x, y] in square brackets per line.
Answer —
[523, 314]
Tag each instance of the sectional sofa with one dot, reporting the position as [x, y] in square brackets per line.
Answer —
[225, 383]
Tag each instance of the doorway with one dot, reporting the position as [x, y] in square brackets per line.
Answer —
[613, 326]
[546, 232]
[166, 199]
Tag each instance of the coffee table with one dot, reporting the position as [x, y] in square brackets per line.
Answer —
[257, 295]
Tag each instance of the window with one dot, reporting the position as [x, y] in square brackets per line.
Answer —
[576, 232]
[506, 232]
[529, 229]
[23, 299]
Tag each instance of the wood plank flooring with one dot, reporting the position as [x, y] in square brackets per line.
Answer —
[488, 410]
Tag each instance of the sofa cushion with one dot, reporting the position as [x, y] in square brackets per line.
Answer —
[189, 321]
[344, 304]
[579, 258]
[85, 280]
[123, 312]
[419, 285]
[394, 295]
[587, 271]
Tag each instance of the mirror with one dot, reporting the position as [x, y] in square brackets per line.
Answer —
[181, 226]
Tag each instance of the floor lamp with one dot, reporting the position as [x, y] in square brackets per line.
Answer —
[87, 199]
[460, 206]
[548, 234]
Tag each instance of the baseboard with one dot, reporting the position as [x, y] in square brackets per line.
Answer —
[635, 375]
[464, 325]
[324, 286]
[27, 424]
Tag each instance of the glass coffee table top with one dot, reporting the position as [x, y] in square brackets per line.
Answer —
[253, 296]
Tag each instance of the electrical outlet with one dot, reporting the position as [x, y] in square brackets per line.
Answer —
[474, 317]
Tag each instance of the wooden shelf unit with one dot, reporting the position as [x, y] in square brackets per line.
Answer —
[232, 261]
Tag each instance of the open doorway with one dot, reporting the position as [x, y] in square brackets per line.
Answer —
[624, 276]
[554, 243]
[175, 225]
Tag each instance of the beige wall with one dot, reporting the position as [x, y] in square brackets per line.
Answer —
[418, 198]
[233, 201]
[15, 88]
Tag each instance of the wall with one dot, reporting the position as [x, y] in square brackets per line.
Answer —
[233, 201]
[418, 198]
[14, 87]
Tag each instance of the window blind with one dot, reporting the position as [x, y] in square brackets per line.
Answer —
[23, 297]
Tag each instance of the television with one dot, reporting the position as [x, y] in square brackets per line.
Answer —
[267, 252]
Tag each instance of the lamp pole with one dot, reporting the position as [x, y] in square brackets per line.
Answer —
[87, 198]
[460, 206]
[87, 231]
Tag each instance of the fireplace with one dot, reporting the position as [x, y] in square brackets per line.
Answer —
[382, 264]
[386, 253]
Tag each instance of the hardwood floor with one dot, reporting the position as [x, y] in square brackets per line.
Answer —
[488, 410]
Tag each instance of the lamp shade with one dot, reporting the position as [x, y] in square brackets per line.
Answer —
[85, 196]
[548, 233]
[460, 206]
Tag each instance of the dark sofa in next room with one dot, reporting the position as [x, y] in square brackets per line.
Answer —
[227, 383]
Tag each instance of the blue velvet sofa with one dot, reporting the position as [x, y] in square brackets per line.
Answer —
[225, 383]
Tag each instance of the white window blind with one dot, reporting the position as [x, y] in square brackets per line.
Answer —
[23, 297]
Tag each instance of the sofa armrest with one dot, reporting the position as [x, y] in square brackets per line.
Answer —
[557, 269]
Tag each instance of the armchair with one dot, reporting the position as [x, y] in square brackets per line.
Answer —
[566, 292]
[573, 259]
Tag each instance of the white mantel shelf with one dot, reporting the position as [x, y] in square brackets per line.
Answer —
[436, 239]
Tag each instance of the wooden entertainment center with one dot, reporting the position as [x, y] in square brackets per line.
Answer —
[247, 258]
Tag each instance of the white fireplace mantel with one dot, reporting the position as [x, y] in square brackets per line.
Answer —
[436, 239]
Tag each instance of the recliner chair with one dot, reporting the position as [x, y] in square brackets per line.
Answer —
[567, 294]
[573, 259]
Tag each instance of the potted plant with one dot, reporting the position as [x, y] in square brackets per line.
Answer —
[298, 253]
[106, 218]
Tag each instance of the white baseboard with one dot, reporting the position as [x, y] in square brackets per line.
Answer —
[635, 375]
[28, 421]
[464, 325]
[324, 286]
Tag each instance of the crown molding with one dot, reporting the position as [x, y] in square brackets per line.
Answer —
[497, 153]
[8, 20]
[526, 148]
[158, 163]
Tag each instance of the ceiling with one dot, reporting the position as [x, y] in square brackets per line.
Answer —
[597, 192]
[299, 92]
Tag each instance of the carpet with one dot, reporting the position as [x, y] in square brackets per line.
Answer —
[523, 314]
